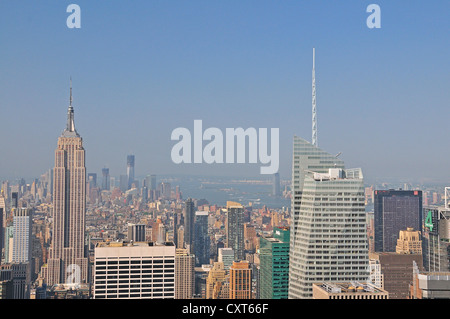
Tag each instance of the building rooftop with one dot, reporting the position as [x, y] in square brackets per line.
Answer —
[132, 244]
[350, 287]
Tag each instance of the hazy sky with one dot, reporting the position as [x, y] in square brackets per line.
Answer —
[140, 69]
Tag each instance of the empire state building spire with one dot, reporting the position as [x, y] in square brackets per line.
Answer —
[70, 126]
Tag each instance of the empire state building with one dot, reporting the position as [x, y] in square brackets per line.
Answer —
[67, 261]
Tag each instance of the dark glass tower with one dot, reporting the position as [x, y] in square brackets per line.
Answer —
[201, 239]
[189, 218]
[235, 229]
[105, 179]
[395, 210]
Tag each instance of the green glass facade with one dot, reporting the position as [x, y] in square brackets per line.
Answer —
[274, 265]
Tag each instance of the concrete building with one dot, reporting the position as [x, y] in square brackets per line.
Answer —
[22, 220]
[215, 280]
[141, 270]
[397, 270]
[409, 242]
[429, 285]
[184, 274]
[136, 232]
[241, 280]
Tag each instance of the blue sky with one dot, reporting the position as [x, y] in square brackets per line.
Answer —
[141, 69]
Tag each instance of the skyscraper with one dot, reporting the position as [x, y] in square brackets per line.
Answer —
[130, 170]
[436, 239]
[241, 280]
[330, 240]
[2, 217]
[67, 252]
[201, 239]
[395, 210]
[306, 157]
[189, 218]
[147, 271]
[22, 235]
[184, 274]
[235, 229]
[274, 265]
[105, 179]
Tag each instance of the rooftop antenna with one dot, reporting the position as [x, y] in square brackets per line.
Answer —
[314, 111]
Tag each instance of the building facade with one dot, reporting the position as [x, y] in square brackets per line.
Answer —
[436, 239]
[67, 250]
[330, 241]
[397, 270]
[274, 265]
[134, 271]
[235, 229]
[22, 221]
[241, 280]
[395, 210]
[184, 274]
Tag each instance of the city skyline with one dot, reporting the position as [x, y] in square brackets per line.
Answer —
[378, 87]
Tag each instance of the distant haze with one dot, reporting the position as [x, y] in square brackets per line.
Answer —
[141, 70]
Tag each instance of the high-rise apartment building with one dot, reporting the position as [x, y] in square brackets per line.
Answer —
[235, 229]
[189, 219]
[201, 238]
[274, 265]
[141, 270]
[67, 250]
[241, 280]
[330, 240]
[395, 210]
[22, 221]
[184, 274]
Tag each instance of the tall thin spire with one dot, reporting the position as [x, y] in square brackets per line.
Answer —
[314, 111]
[70, 104]
[70, 127]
